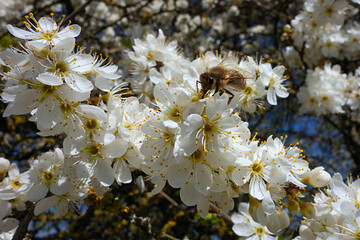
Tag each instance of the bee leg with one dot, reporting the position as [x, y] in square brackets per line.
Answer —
[231, 95]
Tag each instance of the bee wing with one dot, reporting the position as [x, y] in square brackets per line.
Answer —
[231, 63]
[234, 80]
[246, 74]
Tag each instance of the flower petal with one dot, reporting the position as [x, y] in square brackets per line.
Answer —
[122, 172]
[49, 79]
[45, 204]
[20, 33]
[78, 82]
[37, 192]
[104, 173]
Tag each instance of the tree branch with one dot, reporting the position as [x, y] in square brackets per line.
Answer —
[77, 11]
[24, 223]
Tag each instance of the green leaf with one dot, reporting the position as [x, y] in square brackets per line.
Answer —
[126, 42]
[5, 42]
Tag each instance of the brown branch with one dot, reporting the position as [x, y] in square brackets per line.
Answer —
[77, 11]
[172, 201]
[24, 223]
[213, 207]
[221, 213]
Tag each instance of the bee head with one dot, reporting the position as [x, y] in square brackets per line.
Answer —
[206, 82]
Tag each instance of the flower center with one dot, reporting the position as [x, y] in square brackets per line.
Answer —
[259, 231]
[48, 35]
[175, 114]
[92, 124]
[61, 67]
[47, 176]
[208, 128]
[248, 90]
[16, 183]
[197, 156]
[93, 150]
[47, 90]
[256, 168]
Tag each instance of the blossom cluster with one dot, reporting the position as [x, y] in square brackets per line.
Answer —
[335, 212]
[155, 61]
[175, 132]
[328, 90]
[325, 29]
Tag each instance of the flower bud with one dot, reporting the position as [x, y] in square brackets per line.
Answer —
[4, 165]
[307, 209]
[254, 205]
[287, 28]
[277, 221]
[293, 206]
[318, 177]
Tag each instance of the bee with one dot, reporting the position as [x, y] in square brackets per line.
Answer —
[227, 77]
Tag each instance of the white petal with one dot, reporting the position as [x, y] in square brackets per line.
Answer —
[79, 83]
[104, 173]
[203, 178]
[108, 72]
[203, 206]
[279, 70]
[91, 112]
[282, 93]
[46, 114]
[4, 165]
[242, 229]
[83, 170]
[61, 208]
[20, 33]
[37, 192]
[159, 185]
[9, 224]
[268, 204]
[240, 177]
[122, 172]
[103, 84]
[179, 174]
[64, 47]
[99, 189]
[49, 79]
[13, 171]
[61, 186]
[188, 194]
[271, 97]
[82, 64]
[70, 31]
[47, 24]
[5, 208]
[45, 204]
[115, 149]
[257, 188]
[238, 218]
[23, 103]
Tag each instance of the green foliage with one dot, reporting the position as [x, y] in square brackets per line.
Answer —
[5, 41]
[126, 42]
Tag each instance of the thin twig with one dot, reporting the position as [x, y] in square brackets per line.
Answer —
[77, 11]
[172, 201]
[220, 213]
[213, 207]
[24, 223]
